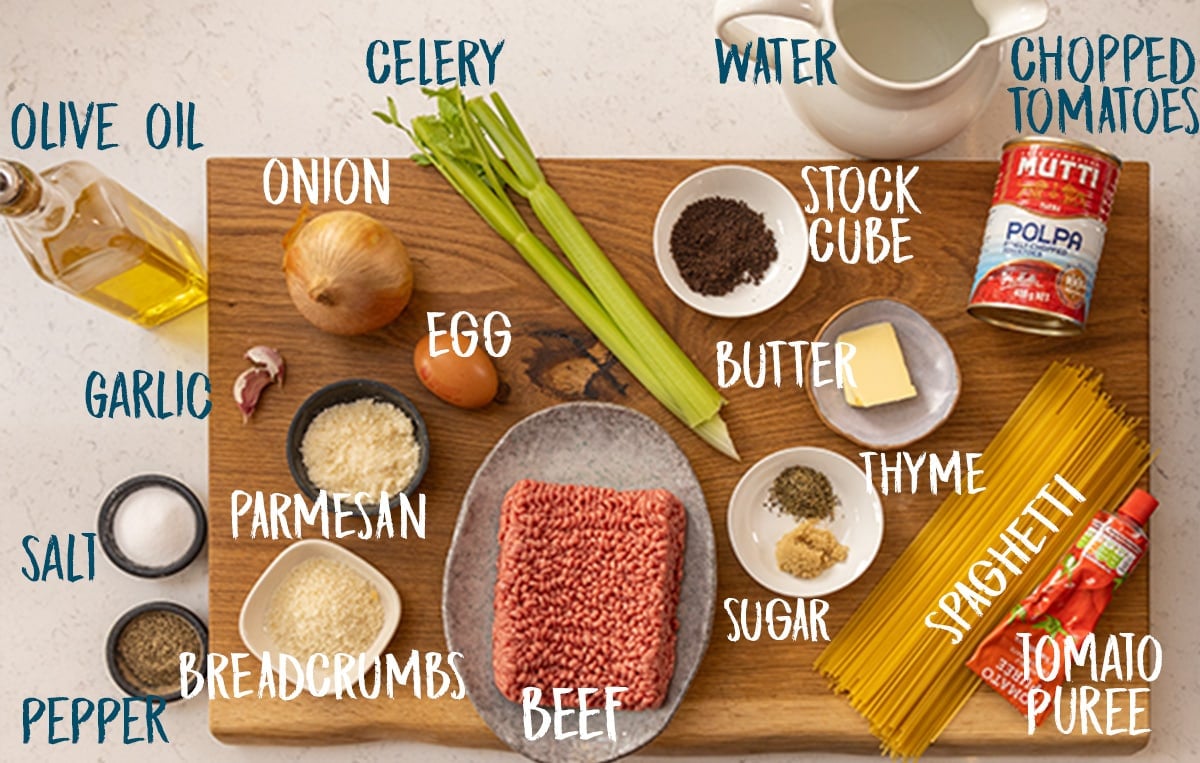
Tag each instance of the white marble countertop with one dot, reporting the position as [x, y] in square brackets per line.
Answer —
[611, 79]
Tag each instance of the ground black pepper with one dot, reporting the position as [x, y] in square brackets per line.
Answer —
[719, 244]
[803, 493]
[148, 650]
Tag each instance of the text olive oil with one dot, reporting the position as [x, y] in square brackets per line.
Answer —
[89, 236]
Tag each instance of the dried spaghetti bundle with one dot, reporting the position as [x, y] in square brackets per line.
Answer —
[901, 671]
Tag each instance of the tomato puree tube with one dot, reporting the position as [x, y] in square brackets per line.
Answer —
[1067, 603]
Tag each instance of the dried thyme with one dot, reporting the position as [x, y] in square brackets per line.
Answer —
[802, 492]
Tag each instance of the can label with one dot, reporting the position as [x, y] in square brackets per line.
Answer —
[1044, 235]
[1057, 179]
[1036, 285]
[1016, 233]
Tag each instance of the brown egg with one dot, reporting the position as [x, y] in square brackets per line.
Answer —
[469, 382]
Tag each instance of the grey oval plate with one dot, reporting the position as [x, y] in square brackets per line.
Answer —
[587, 444]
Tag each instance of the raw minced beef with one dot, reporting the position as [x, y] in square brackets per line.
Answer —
[586, 592]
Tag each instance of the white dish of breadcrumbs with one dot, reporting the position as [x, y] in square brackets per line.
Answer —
[317, 598]
[805, 557]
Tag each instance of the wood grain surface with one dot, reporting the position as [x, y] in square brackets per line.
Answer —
[749, 696]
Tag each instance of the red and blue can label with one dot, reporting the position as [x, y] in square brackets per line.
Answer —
[1044, 235]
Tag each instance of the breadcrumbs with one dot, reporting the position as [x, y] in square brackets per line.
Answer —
[324, 607]
[808, 550]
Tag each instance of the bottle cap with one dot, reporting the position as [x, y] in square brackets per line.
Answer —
[1139, 506]
[10, 182]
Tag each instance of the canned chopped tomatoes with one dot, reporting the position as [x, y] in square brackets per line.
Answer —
[1045, 231]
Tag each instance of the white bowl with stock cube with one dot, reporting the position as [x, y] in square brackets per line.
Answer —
[781, 214]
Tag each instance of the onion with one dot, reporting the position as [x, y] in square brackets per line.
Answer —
[346, 272]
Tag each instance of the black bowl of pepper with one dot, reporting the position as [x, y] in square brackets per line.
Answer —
[144, 646]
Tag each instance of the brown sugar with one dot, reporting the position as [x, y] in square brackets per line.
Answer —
[808, 550]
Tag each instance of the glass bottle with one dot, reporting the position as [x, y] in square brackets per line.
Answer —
[89, 236]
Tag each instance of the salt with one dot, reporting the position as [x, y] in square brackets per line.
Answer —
[154, 526]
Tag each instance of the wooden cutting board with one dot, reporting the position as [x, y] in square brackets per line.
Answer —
[748, 696]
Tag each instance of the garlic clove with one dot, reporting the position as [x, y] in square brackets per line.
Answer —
[247, 389]
[270, 359]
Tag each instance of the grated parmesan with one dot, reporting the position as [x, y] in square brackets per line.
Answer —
[324, 607]
[366, 446]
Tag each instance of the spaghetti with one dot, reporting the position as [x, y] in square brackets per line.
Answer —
[909, 679]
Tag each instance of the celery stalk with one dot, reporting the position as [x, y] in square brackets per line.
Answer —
[702, 400]
[480, 171]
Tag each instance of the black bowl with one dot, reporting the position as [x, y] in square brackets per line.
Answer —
[126, 683]
[108, 512]
[347, 391]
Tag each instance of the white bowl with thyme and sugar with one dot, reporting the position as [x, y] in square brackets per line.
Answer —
[810, 511]
[316, 601]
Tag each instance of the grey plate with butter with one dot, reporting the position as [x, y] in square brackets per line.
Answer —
[587, 444]
[931, 367]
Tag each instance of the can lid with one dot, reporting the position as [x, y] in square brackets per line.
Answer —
[1028, 319]
[1139, 506]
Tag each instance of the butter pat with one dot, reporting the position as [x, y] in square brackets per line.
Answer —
[877, 367]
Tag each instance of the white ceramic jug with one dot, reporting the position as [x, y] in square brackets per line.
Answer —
[911, 74]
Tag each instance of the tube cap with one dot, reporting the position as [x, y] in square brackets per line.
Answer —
[1139, 506]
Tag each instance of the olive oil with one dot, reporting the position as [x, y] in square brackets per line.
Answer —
[91, 237]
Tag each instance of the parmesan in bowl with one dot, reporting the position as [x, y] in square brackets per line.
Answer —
[358, 436]
[314, 602]
[363, 446]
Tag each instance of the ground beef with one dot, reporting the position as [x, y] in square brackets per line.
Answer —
[586, 591]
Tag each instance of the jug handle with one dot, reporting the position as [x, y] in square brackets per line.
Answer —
[728, 15]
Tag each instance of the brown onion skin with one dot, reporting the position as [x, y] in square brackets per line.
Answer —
[470, 382]
[347, 273]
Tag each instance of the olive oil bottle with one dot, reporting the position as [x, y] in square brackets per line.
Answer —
[91, 237]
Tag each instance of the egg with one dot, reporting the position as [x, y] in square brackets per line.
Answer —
[469, 382]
